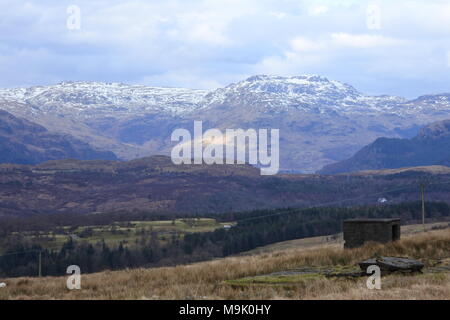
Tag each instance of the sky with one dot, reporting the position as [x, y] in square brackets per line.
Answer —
[397, 47]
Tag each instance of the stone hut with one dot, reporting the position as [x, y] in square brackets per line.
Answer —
[358, 231]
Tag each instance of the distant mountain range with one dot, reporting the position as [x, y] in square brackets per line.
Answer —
[24, 142]
[430, 147]
[321, 121]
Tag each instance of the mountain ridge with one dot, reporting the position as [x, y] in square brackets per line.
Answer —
[431, 146]
[66, 91]
[24, 142]
[322, 121]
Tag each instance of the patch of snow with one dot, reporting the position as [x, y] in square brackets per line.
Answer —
[268, 93]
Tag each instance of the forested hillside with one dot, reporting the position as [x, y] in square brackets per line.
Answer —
[156, 184]
[128, 244]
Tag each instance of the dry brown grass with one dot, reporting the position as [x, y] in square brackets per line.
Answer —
[206, 280]
[324, 241]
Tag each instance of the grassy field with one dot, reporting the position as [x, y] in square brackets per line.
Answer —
[125, 232]
[264, 276]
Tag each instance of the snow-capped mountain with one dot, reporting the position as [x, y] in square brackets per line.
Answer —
[432, 103]
[92, 98]
[321, 120]
[270, 93]
[305, 93]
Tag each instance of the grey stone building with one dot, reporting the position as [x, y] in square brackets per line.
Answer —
[359, 231]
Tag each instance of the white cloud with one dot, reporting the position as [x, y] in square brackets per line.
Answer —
[278, 15]
[207, 43]
[317, 10]
[184, 78]
[336, 41]
[302, 44]
[363, 40]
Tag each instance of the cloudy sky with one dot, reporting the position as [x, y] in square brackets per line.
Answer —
[399, 47]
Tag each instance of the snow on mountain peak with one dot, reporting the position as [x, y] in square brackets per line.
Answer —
[303, 92]
[85, 97]
[292, 86]
[267, 93]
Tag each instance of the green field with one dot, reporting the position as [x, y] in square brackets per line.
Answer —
[127, 233]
